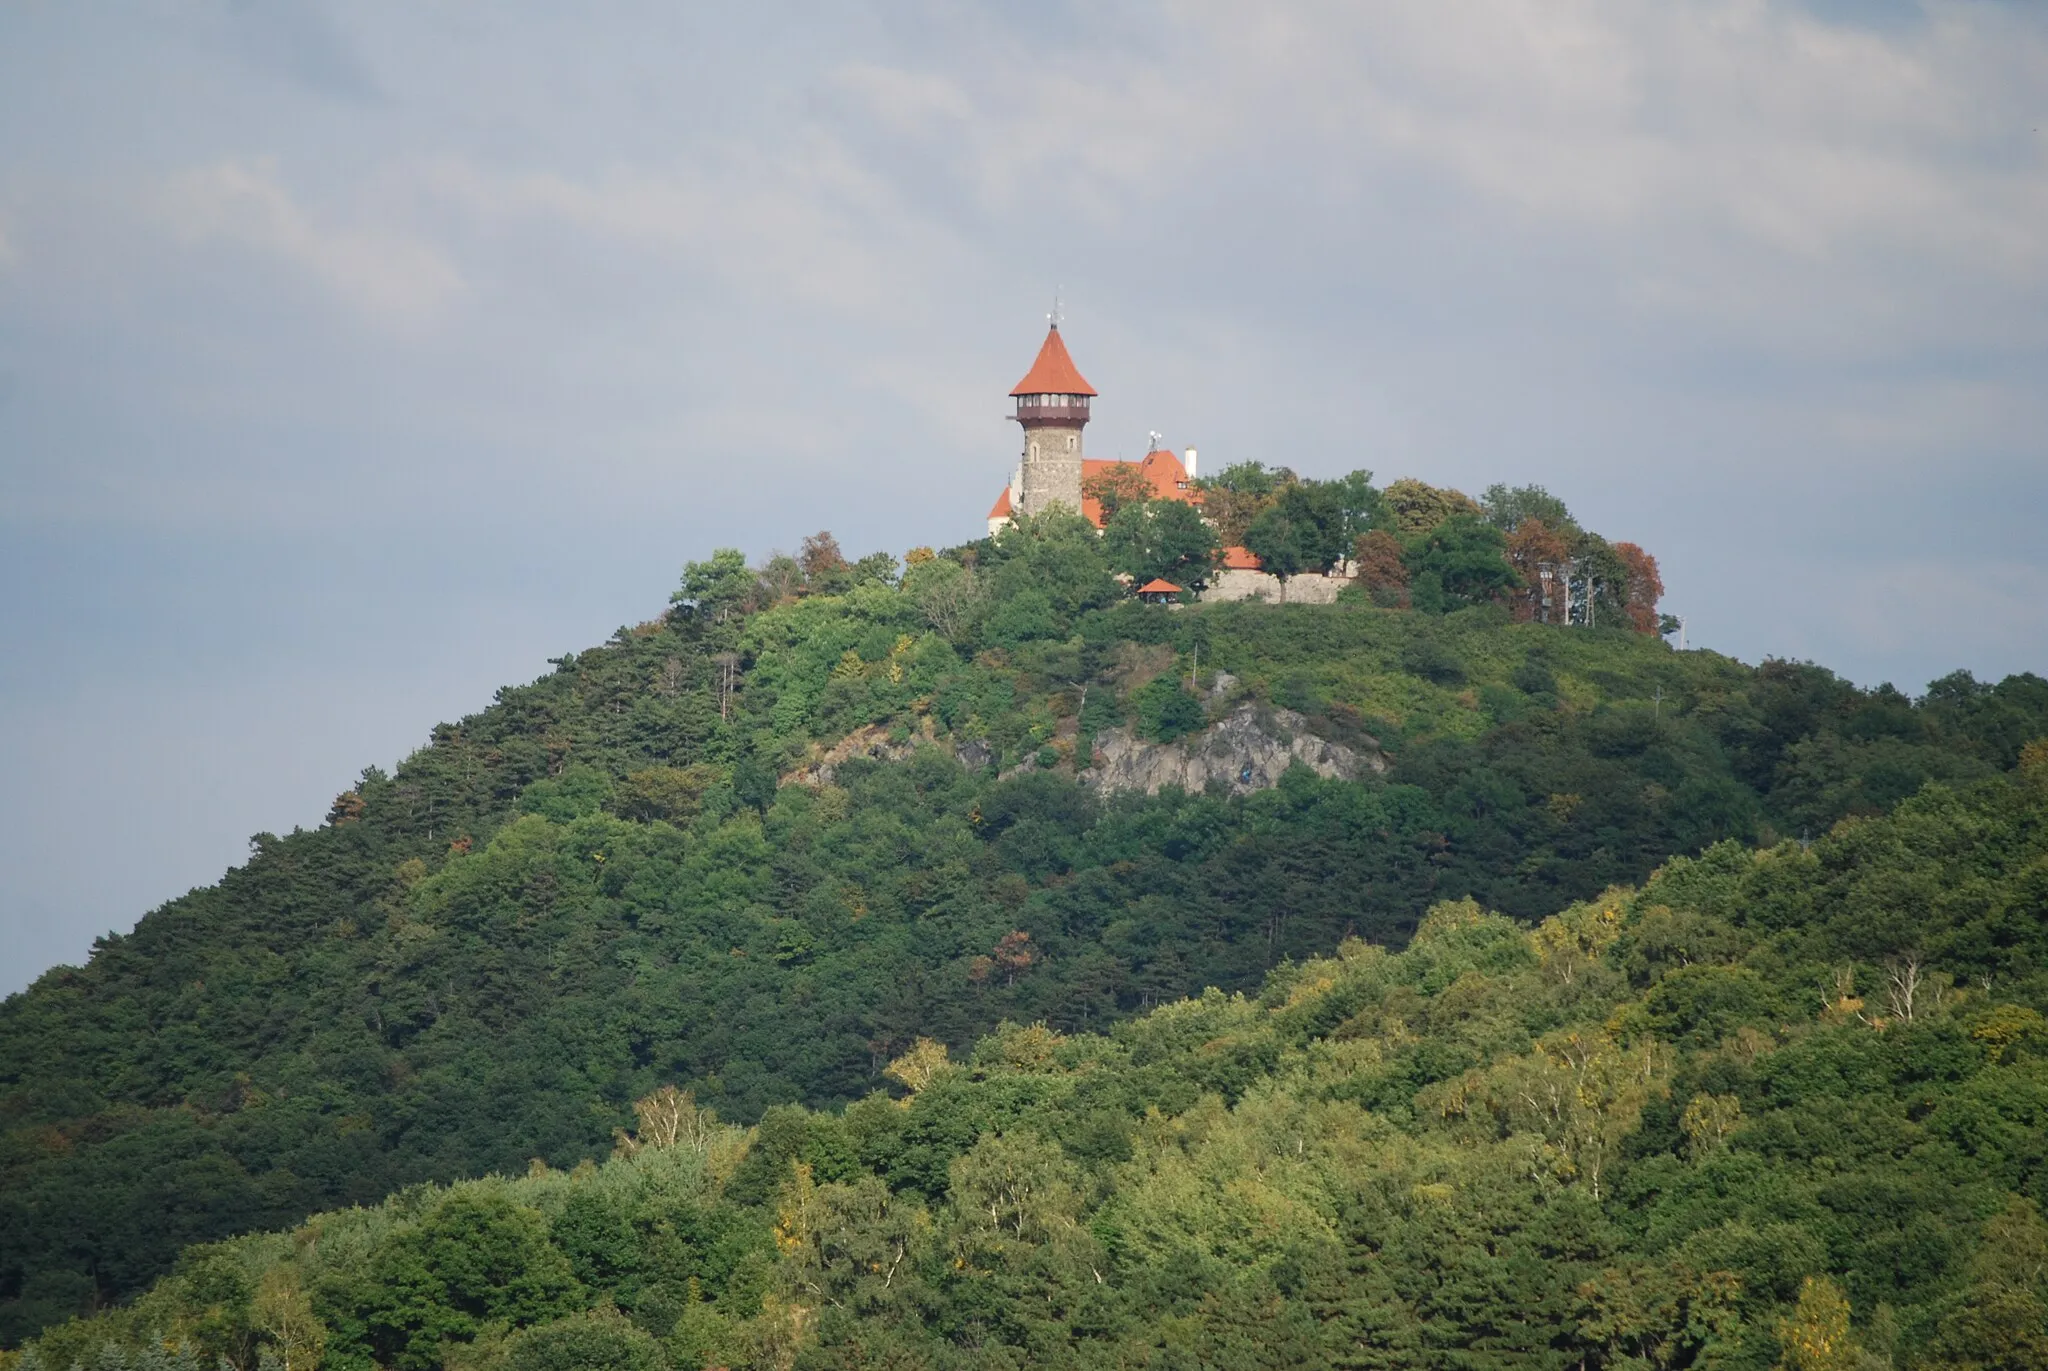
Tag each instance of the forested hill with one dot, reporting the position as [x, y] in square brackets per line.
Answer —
[597, 886]
[1779, 1109]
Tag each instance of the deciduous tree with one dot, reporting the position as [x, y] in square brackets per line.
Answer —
[820, 559]
[1237, 495]
[1816, 1336]
[1162, 539]
[1643, 587]
[1415, 507]
[1376, 557]
[1507, 508]
[1116, 487]
[1460, 561]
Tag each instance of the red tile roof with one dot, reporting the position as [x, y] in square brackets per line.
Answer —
[1239, 559]
[1159, 587]
[1054, 372]
[1162, 470]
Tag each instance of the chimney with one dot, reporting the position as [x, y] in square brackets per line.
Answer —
[1188, 461]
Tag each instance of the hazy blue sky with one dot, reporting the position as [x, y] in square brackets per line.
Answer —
[355, 359]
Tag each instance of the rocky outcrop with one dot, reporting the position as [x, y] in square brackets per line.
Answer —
[877, 744]
[871, 742]
[1247, 749]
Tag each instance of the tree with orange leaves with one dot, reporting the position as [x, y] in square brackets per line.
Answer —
[1376, 557]
[1013, 955]
[820, 557]
[1117, 485]
[1645, 587]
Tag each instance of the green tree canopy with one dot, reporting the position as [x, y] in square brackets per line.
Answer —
[1162, 538]
[1305, 529]
[1057, 555]
[1410, 508]
[1458, 562]
[1507, 506]
[1623, 1133]
[1238, 494]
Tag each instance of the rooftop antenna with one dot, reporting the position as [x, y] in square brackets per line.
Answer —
[1152, 440]
[1054, 317]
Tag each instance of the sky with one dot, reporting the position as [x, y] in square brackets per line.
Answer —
[357, 359]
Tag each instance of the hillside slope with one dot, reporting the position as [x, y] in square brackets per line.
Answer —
[596, 885]
[1787, 1104]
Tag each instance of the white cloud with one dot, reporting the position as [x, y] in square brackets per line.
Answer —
[906, 100]
[1737, 165]
[803, 222]
[394, 277]
[1795, 133]
[1734, 167]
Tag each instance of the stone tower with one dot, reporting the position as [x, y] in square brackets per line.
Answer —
[1052, 406]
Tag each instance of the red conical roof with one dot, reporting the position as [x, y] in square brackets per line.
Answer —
[1053, 373]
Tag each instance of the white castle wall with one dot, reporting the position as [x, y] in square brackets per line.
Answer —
[1262, 585]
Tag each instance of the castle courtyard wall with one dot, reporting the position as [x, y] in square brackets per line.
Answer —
[1262, 585]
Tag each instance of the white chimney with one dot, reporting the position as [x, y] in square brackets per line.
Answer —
[1189, 462]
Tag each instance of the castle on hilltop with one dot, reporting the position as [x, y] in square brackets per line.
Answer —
[1052, 408]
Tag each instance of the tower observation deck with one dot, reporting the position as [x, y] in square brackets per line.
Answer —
[1052, 408]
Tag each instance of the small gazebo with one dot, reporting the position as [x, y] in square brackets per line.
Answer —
[1158, 592]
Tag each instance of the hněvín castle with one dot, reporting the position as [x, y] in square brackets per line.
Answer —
[1052, 408]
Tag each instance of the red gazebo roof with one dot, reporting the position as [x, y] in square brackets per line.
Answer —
[1159, 587]
[1054, 372]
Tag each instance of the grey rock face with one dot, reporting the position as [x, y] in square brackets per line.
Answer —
[875, 744]
[1246, 750]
